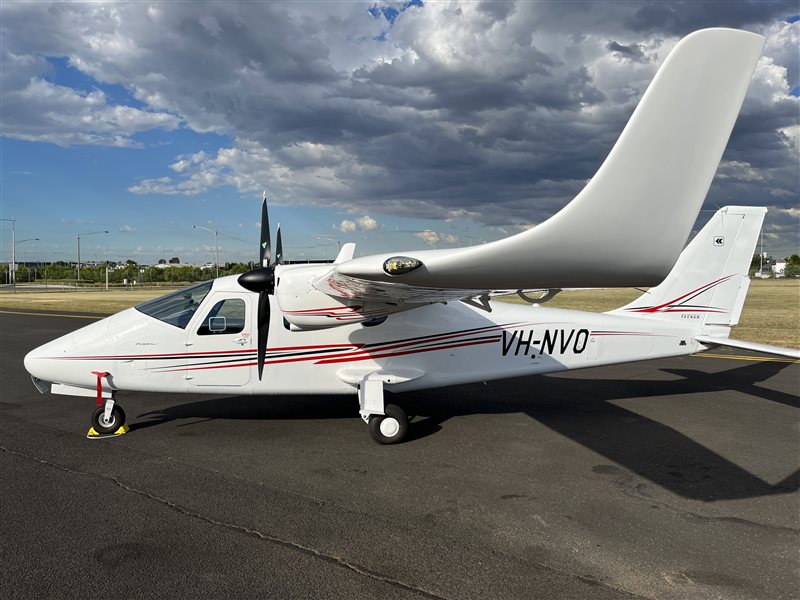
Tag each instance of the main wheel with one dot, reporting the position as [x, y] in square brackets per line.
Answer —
[104, 427]
[391, 427]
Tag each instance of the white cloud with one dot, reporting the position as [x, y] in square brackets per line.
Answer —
[66, 116]
[429, 237]
[432, 238]
[367, 223]
[448, 238]
[733, 169]
[347, 226]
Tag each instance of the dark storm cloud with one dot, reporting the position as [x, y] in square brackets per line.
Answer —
[633, 52]
[681, 18]
[500, 109]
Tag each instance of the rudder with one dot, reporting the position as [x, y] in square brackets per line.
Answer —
[709, 282]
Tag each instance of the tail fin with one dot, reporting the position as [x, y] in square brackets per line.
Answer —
[709, 282]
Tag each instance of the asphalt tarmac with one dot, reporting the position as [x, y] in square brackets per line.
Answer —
[666, 479]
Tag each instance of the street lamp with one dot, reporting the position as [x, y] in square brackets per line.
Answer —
[11, 277]
[14, 259]
[79, 249]
[216, 245]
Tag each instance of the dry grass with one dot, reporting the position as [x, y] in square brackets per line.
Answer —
[95, 301]
[771, 313]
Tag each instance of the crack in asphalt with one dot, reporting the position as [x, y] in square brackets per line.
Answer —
[335, 560]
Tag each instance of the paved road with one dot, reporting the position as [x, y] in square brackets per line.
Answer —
[668, 479]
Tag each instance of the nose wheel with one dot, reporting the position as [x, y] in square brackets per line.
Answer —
[108, 425]
[108, 419]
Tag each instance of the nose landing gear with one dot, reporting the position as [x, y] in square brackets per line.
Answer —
[108, 419]
[113, 424]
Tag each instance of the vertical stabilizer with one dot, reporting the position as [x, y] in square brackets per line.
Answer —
[709, 282]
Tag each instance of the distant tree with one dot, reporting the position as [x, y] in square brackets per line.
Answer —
[22, 273]
[755, 264]
[174, 260]
[792, 269]
[162, 261]
[794, 259]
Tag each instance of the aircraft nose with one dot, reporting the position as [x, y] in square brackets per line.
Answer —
[62, 360]
[31, 359]
[42, 362]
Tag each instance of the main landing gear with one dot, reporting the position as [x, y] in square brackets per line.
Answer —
[388, 423]
[108, 419]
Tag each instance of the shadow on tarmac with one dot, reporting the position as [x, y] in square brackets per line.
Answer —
[579, 409]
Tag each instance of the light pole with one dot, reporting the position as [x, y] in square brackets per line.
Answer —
[11, 277]
[216, 246]
[79, 249]
[328, 240]
[14, 255]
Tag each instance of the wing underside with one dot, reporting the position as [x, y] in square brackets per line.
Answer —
[387, 292]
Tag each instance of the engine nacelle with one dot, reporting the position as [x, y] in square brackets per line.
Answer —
[305, 307]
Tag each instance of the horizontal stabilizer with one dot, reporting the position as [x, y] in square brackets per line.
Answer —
[765, 348]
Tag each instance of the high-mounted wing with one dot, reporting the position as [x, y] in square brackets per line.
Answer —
[626, 228]
[630, 222]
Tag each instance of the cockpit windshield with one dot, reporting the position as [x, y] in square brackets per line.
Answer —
[178, 307]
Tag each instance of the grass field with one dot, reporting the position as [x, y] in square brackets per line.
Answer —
[771, 313]
[88, 302]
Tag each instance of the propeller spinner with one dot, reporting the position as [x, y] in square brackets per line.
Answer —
[262, 281]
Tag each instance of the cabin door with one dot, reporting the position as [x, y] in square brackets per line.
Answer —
[221, 348]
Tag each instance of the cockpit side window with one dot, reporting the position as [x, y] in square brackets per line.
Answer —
[178, 307]
[227, 316]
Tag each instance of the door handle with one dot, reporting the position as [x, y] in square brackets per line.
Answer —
[241, 341]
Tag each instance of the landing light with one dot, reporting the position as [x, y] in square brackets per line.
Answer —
[399, 265]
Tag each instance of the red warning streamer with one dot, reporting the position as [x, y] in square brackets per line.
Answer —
[100, 375]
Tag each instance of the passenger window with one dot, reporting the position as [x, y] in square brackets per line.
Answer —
[226, 317]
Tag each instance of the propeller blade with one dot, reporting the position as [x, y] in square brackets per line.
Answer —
[264, 250]
[278, 248]
[263, 330]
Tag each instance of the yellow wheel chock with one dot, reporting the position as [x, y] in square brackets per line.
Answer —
[93, 435]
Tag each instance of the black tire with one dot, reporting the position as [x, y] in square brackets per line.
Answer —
[391, 427]
[117, 420]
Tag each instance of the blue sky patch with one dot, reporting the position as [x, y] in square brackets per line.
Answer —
[64, 74]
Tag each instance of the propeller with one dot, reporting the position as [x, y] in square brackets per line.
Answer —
[262, 281]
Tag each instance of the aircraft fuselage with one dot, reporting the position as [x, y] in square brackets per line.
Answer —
[438, 345]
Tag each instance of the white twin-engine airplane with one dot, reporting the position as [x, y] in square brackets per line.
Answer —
[424, 319]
